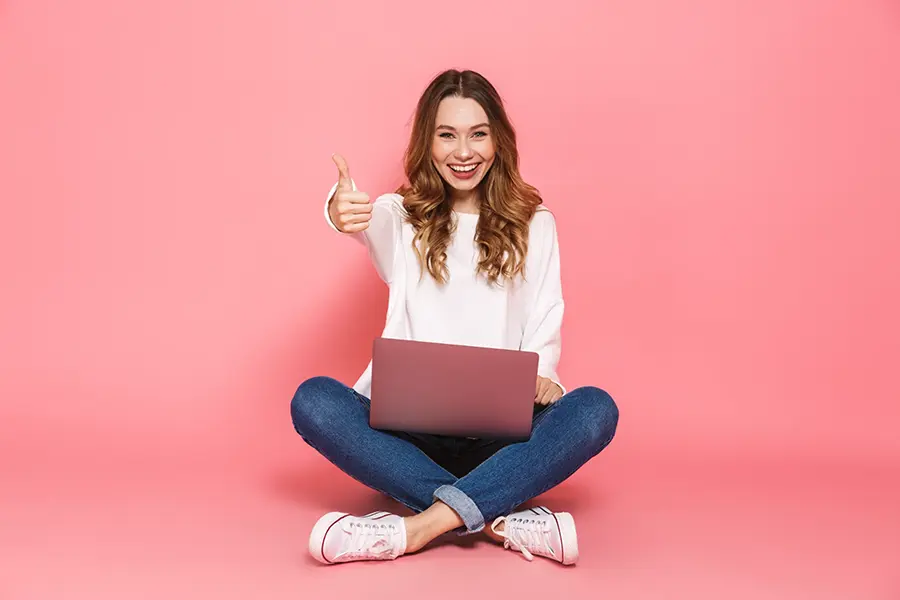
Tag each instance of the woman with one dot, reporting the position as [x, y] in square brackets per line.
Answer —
[470, 257]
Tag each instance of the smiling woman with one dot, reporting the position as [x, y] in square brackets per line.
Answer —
[461, 138]
[471, 258]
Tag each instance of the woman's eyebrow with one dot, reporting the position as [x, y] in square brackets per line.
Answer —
[453, 129]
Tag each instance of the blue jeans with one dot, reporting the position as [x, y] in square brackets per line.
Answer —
[479, 479]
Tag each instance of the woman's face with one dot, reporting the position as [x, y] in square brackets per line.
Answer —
[462, 149]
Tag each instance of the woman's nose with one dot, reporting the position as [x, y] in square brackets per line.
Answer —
[464, 151]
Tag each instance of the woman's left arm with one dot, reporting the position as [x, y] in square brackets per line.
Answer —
[544, 319]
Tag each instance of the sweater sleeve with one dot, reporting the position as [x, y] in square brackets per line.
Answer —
[383, 234]
[545, 314]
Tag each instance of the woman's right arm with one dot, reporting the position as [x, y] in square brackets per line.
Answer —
[375, 224]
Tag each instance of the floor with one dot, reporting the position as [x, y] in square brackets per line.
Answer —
[646, 530]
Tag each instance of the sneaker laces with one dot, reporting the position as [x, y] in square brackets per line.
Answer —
[368, 540]
[528, 536]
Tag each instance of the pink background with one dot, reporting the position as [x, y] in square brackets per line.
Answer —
[726, 179]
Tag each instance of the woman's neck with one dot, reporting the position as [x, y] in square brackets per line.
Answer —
[466, 202]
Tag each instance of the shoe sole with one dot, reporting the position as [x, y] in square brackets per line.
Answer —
[568, 537]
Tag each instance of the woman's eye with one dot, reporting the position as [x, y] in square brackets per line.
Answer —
[480, 134]
[446, 136]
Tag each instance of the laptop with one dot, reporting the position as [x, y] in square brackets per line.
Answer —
[453, 390]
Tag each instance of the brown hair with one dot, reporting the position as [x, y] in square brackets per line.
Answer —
[507, 202]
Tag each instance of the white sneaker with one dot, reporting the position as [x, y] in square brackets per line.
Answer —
[541, 532]
[339, 537]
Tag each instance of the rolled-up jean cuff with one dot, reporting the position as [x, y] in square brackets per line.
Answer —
[463, 505]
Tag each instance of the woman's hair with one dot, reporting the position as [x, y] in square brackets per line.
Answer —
[507, 202]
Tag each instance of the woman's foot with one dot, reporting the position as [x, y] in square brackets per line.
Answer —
[339, 537]
[537, 531]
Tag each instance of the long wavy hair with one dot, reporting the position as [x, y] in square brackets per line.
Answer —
[507, 205]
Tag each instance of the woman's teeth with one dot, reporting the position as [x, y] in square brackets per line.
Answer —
[465, 169]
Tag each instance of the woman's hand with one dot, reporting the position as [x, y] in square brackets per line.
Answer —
[349, 211]
[547, 391]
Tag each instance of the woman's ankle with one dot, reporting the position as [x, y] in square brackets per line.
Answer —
[419, 533]
[429, 524]
[416, 539]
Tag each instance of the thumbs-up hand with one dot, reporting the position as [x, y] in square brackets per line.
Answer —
[349, 211]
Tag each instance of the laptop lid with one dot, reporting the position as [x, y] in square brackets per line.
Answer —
[449, 389]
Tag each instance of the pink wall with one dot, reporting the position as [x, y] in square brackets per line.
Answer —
[726, 176]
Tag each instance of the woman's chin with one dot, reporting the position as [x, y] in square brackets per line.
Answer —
[464, 188]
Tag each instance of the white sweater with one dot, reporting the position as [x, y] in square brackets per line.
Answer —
[467, 310]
